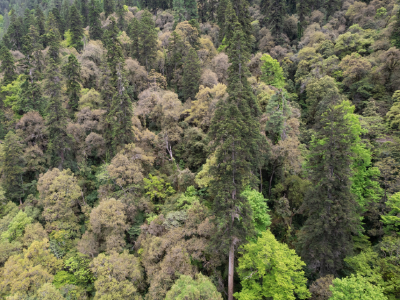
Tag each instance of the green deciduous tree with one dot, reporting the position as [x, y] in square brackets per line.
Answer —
[269, 269]
[259, 207]
[355, 287]
[326, 237]
[16, 227]
[272, 72]
[186, 288]
[392, 218]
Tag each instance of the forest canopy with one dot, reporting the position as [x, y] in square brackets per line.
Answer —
[199, 149]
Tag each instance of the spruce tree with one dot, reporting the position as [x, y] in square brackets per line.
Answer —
[12, 167]
[65, 14]
[7, 66]
[235, 132]
[303, 10]
[174, 59]
[395, 36]
[191, 75]
[95, 30]
[133, 33]
[72, 72]
[221, 17]
[109, 7]
[191, 9]
[56, 115]
[14, 36]
[84, 9]
[119, 8]
[119, 114]
[147, 40]
[326, 238]
[40, 23]
[59, 19]
[76, 28]
[274, 11]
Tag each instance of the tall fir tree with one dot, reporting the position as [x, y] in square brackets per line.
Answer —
[274, 12]
[109, 7]
[191, 9]
[72, 71]
[7, 66]
[40, 24]
[174, 57]
[56, 115]
[59, 19]
[95, 30]
[65, 14]
[179, 10]
[76, 28]
[84, 10]
[235, 132]
[303, 10]
[395, 36]
[133, 33]
[13, 39]
[12, 167]
[191, 75]
[326, 238]
[147, 40]
[120, 111]
[221, 10]
[120, 10]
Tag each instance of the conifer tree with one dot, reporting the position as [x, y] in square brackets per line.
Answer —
[395, 36]
[76, 28]
[36, 47]
[133, 33]
[174, 59]
[12, 167]
[56, 114]
[235, 132]
[27, 22]
[65, 14]
[326, 238]
[147, 40]
[274, 12]
[221, 17]
[191, 75]
[84, 9]
[303, 10]
[40, 23]
[95, 30]
[179, 10]
[14, 37]
[109, 7]
[119, 114]
[7, 66]
[59, 19]
[120, 10]
[191, 9]
[72, 72]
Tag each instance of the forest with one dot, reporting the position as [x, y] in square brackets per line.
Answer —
[199, 149]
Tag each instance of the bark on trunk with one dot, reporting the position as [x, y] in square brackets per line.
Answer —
[231, 269]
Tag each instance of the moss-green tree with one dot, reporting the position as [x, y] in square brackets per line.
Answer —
[76, 28]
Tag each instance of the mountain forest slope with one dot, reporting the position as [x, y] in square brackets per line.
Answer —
[200, 149]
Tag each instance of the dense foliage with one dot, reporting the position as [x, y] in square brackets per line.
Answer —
[193, 149]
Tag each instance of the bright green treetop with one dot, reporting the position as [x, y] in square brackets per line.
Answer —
[355, 288]
[269, 268]
[272, 72]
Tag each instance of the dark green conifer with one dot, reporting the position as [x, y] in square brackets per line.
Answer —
[119, 8]
[235, 132]
[60, 21]
[76, 28]
[40, 23]
[191, 75]
[133, 33]
[84, 9]
[7, 66]
[191, 9]
[13, 39]
[56, 115]
[395, 36]
[119, 114]
[95, 30]
[274, 11]
[147, 40]
[12, 167]
[109, 7]
[326, 238]
[72, 72]
[221, 17]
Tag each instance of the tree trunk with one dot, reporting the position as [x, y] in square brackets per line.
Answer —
[231, 269]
